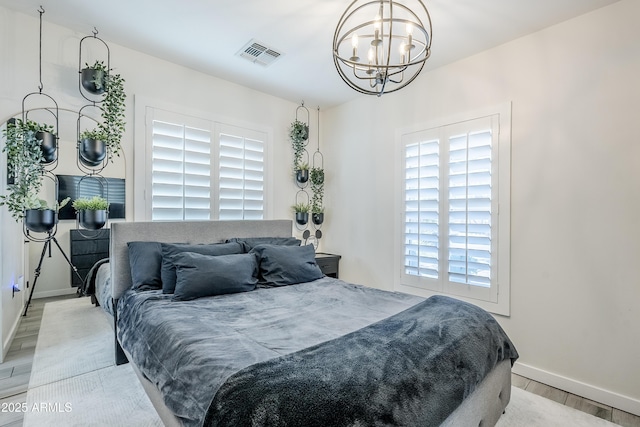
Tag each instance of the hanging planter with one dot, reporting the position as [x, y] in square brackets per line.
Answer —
[302, 173]
[38, 216]
[93, 78]
[317, 218]
[302, 218]
[40, 220]
[92, 148]
[92, 220]
[302, 213]
[48, 145]
[92, 213]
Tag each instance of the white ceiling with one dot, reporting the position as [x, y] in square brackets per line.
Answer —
[205, 35]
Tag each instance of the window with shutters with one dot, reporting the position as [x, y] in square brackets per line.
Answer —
[454, 226]
[200, 170]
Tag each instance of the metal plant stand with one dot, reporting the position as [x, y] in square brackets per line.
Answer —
[47, 245]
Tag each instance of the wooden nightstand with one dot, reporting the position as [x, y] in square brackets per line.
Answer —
[328, 263]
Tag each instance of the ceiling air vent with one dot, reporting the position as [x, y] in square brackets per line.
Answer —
[259, 53]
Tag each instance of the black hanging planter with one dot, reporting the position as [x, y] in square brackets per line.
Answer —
[317, 218]
[92, 219]
[49, 146]
[40, 220]
[302, 218]
[89, 77]
[302, 175]
[92, 152]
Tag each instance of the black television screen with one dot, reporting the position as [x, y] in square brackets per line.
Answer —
[76, 186]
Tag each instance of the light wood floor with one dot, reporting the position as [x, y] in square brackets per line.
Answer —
[16, 370]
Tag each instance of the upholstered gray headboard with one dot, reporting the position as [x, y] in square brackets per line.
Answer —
[184, 232]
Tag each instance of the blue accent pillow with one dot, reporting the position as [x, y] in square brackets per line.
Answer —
[204, 275]
[145, 261]
[286, 265]
[250, 242]
[168, 270]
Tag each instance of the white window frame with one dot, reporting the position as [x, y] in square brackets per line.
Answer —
[145, 108]
[497, 298]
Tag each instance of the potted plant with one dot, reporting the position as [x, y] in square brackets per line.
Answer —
[93, 77]
[27, 138]
[317, 214]
[298, 133]
[24, 164]
[302, 213]
[92, 147]
[317, 187]
[92, 212]
[38, 216]
[302, 173]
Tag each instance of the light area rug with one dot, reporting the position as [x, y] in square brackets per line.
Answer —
[74, 381]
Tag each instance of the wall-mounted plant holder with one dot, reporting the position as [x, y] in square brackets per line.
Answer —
[93, 74]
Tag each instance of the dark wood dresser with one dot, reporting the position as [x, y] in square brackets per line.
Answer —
[87, 247]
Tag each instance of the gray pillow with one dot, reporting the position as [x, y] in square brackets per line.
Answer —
[145, 261]
[286, 265]
[168, 271]
[204, 275]
[250, 242]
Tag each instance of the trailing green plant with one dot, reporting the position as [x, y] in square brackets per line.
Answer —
[316, 176]
[113, 118]
[95, 203]
[298, 133]
[301, 208]
[24, 156]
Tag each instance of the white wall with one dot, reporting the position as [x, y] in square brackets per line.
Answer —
[575, 237]
[145, 77]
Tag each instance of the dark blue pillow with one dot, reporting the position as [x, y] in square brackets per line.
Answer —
[168, 271]
[286, 265]
[145, 261]
[204, 275]
[250, 242]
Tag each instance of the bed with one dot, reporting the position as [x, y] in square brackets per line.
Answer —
[319, 352]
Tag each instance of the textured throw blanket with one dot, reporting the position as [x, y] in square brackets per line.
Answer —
[89, 285]
[412, 369]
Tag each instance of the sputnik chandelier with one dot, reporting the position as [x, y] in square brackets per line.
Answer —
[380, 46]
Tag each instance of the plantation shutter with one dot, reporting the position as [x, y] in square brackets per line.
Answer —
[241, 174]
[421, 201]
[180, 172]
[470, 209]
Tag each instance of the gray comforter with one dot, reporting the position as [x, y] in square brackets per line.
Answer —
[237, 357]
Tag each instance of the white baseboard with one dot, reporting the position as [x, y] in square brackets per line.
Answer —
[54, 293]
[7, 343]
[616, 400]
